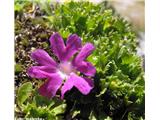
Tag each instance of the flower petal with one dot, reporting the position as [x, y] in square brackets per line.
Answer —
[68, 85]
[86, 50]
[50, 87]
[57, 46]
[72, 46]
[43, 58]
[80, 83]
[40, 71]
[86, 68]
[90, 82]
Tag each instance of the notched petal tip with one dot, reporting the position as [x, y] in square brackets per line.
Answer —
[30, 72]
[35, 73]
[35, 53]
[82, 84]
[73, 45]
[89, 46]
[40, 71]
[51, 86]
[55, 35]
[43, 58]
[74, 40]
[90, 82]
[90, 70]
[86, 50]
[57, 45]
[86, 68]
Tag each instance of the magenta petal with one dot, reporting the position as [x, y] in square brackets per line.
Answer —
[50, 87]
[73, 45]
[66, 87]
[80, 83]
[40, 71]
[90, 82]
[57, 46]
[43, 58]
[86, 68]
[86, 50]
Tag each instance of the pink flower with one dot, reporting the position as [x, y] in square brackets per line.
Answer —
[64, 74]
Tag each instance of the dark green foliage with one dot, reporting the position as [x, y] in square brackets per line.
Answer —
[119, 82]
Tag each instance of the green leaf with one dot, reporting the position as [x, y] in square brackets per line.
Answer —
[42, 101]
[18, 7]
[33, 111]
[18, 68]
[24, 92]
[59, 109]
[75, 113]
[102, 92]
[92, 116]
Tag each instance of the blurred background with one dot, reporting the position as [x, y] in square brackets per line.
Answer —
[134, 12]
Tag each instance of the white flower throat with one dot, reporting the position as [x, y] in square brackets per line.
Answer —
[64, 69]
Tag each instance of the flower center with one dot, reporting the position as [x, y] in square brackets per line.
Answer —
[65, 68]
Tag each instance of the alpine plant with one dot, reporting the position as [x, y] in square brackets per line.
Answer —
[70, 70]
